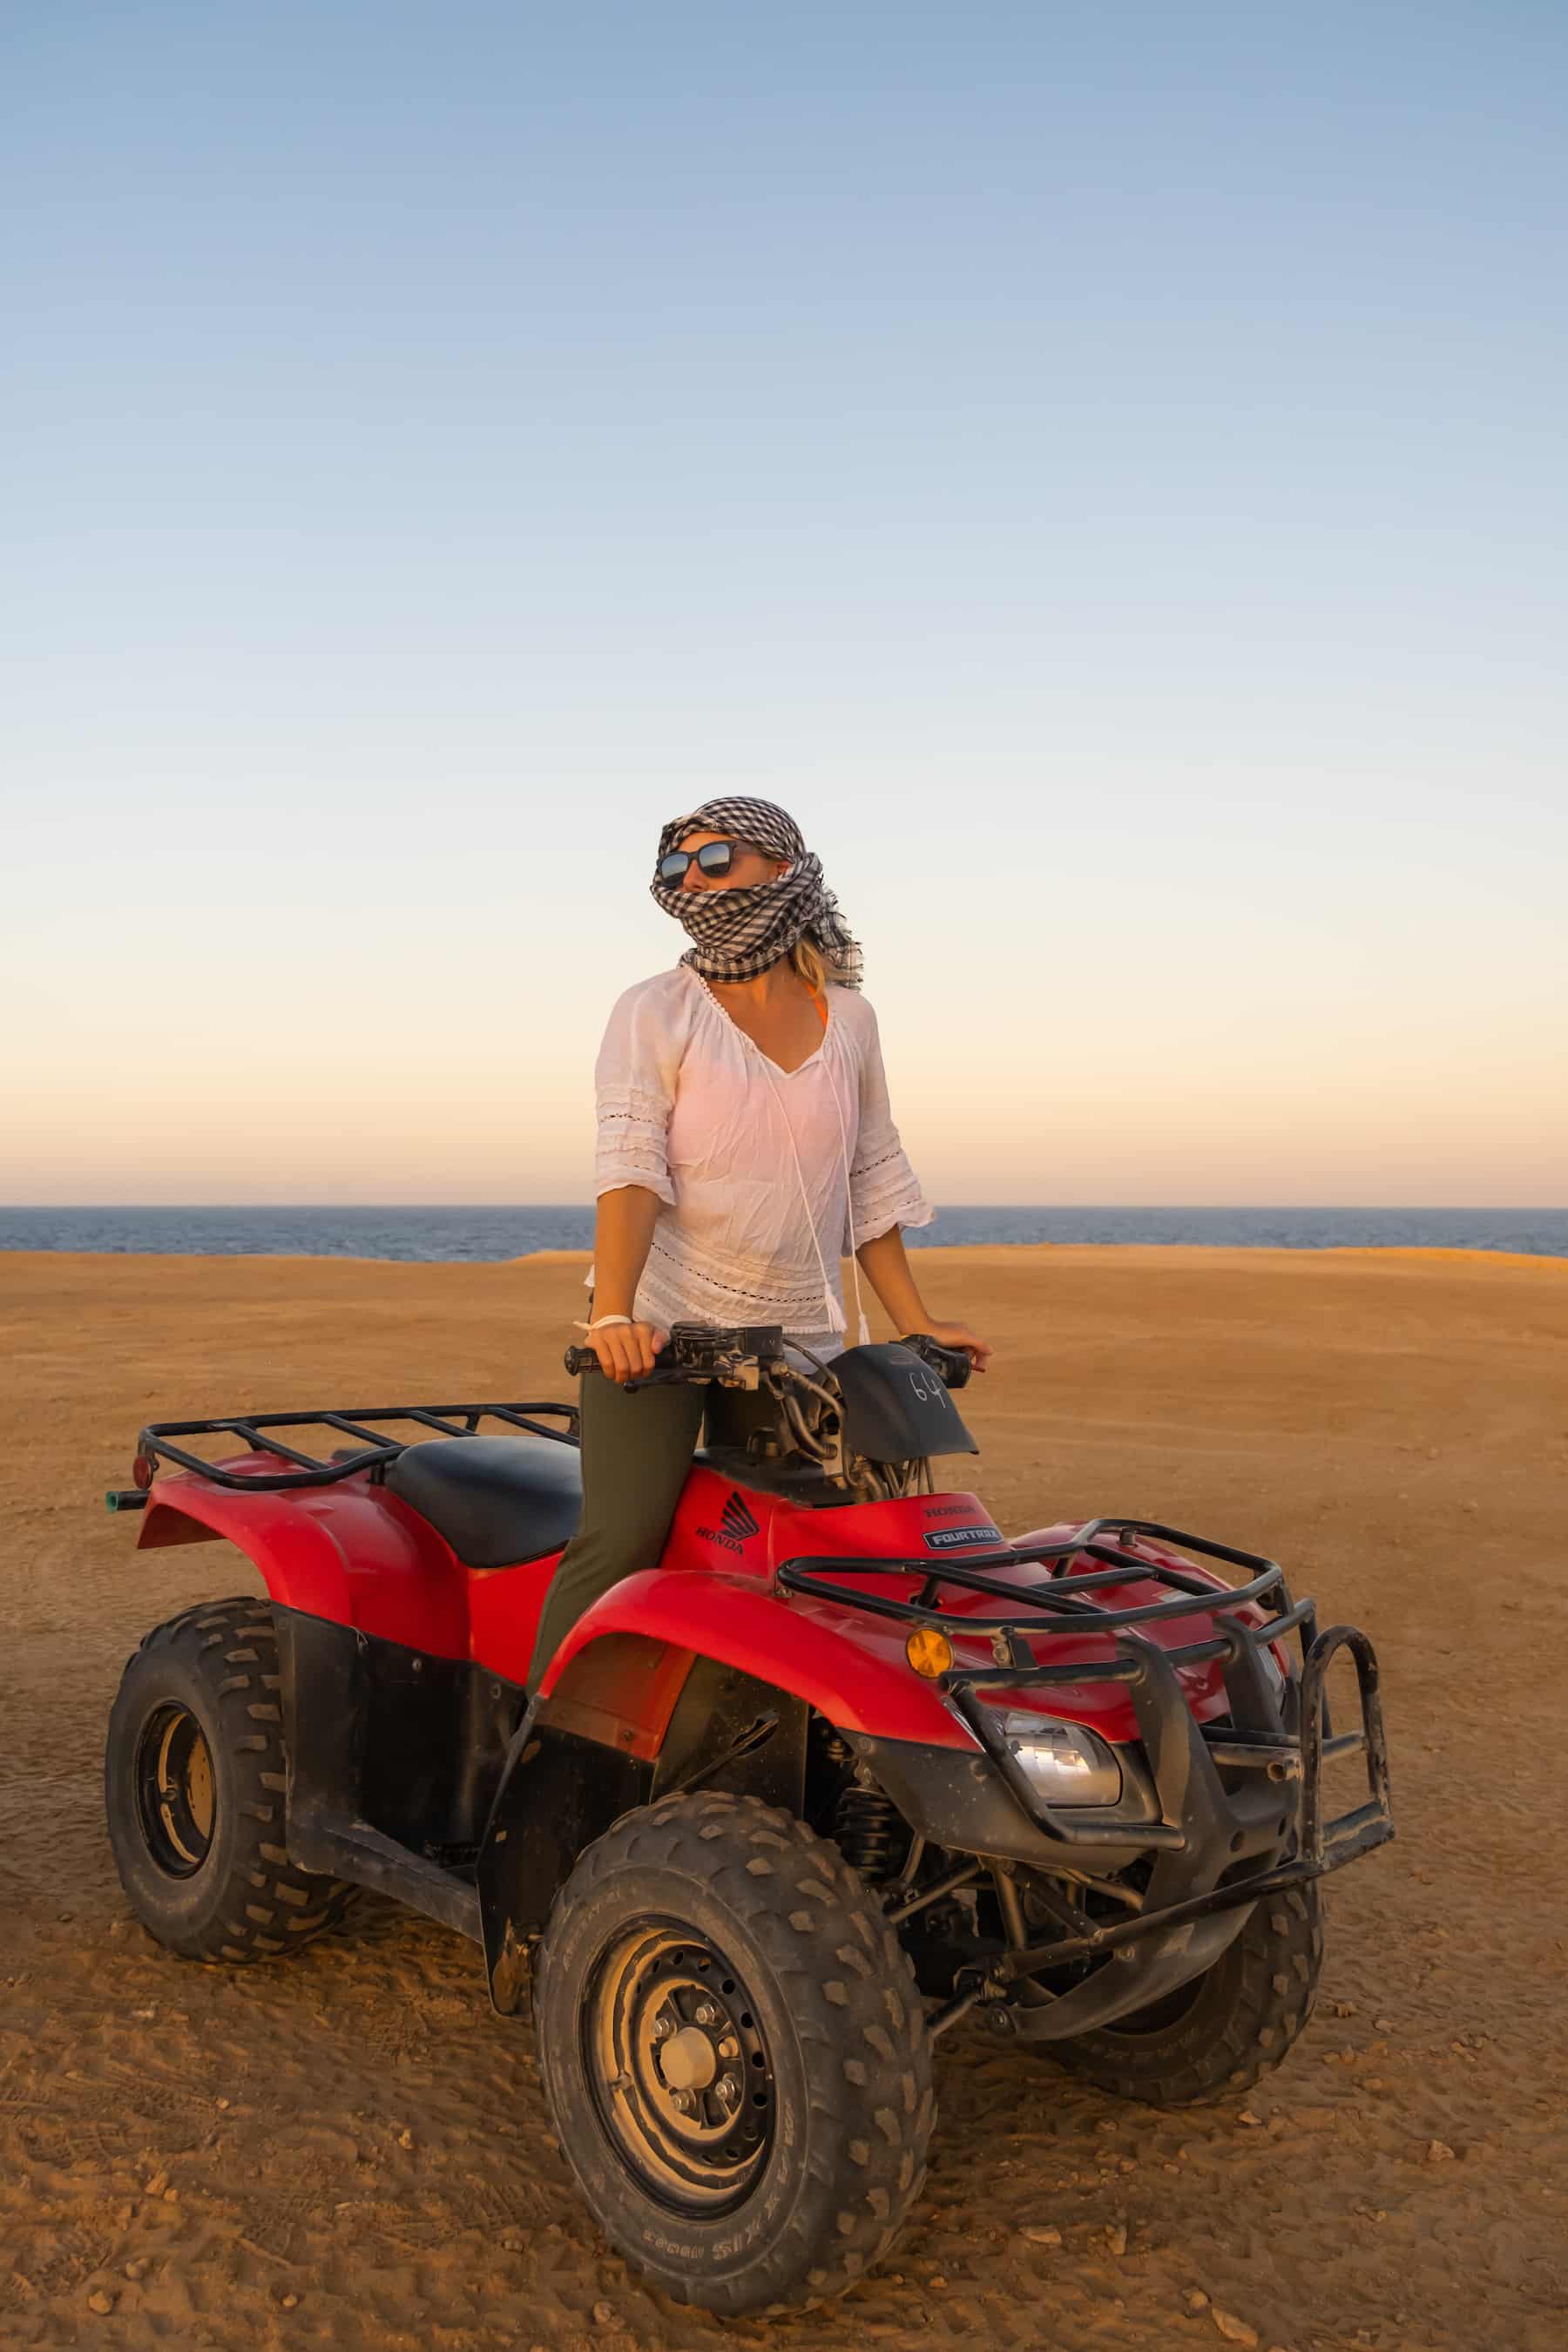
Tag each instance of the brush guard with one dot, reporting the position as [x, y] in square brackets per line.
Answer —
[1199, 1817]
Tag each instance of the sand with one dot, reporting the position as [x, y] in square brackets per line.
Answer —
[349, 2148]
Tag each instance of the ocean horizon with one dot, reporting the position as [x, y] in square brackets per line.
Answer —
[495, 1234]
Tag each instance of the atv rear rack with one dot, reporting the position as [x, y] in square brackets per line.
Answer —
[1286, 1750]
[155, 1443]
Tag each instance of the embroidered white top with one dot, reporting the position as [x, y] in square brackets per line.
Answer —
[765, 1176]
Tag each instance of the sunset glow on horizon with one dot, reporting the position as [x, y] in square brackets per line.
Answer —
[1152, 1048]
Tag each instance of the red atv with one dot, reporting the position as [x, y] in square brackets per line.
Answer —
[847, 1766]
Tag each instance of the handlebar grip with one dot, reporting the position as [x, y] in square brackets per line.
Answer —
[953, 1365]
[584, 1360]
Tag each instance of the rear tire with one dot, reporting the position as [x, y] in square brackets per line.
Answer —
[775, 2161]
[195, 1781]
[1226, 2029]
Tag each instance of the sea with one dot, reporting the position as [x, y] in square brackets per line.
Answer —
[497, 1234]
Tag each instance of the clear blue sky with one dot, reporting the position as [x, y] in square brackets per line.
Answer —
[1103, 468]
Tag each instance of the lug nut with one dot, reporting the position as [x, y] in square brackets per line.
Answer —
[705, 2013]
[729, 2047]
[682, 2102]
[725, 2087]
[661, 2028]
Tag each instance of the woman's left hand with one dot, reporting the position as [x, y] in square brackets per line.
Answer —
[959, 1334]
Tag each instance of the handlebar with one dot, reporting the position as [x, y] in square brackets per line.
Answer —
[584, 1360]
[953, 1365]
[693, 1351]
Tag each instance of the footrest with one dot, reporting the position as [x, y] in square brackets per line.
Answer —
[367, 1857]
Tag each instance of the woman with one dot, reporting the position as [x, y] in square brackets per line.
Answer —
[744, 1138]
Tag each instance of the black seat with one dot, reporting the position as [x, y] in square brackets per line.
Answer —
[496, 1500]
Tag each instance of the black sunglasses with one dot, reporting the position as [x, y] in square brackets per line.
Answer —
[713, 857]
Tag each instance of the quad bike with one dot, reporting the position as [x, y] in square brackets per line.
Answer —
[847, 1766]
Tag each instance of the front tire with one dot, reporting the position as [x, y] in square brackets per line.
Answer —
[1224, 2030]
[195, 1778]
[735, 2055]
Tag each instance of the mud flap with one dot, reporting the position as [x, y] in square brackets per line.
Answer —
[559, 1792]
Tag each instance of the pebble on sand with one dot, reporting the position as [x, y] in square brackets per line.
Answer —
[1233, 2330]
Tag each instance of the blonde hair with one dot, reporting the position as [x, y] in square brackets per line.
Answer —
[806, 958]
[816, 968]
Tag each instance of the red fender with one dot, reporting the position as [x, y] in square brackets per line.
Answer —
[351, 1553]
[794, 1648]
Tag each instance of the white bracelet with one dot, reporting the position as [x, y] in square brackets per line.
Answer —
[599, 1321]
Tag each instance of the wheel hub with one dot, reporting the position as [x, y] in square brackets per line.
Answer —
[177, 1799]
[681, 2078]
[689, 2060]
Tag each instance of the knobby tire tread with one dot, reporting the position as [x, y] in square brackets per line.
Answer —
[270, 1908]
[1254, 2002]
[849, 1989]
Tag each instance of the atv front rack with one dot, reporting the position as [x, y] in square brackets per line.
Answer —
[1063, 1597]
[1257, 1738]
[374, 1450]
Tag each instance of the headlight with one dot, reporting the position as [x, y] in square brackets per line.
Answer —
[1064, 1763]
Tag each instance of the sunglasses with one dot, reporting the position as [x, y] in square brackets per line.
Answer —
[713, 857]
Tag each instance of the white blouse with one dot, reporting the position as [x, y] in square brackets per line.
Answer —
[764, 1176]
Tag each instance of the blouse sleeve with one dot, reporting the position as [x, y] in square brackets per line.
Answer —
[634, 1084]
[884, 1189]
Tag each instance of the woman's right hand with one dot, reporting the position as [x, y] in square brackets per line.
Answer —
[626, 1350]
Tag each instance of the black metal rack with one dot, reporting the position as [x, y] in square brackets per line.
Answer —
[1295, 1752]
[1063, 1596]
[157, 1442]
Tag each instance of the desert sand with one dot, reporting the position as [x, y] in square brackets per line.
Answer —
[348, 2149]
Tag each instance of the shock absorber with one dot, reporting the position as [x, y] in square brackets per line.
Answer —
[867, 1829]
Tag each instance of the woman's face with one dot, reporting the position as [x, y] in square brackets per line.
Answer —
[747, 867]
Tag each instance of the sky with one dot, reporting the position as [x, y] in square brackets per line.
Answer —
[1101, 469]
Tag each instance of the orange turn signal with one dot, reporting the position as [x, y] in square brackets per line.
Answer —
[928, 1652]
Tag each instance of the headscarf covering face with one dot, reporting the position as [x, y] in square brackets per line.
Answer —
[738, 932]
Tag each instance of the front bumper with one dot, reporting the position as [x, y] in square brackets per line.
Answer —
[1225, 1814]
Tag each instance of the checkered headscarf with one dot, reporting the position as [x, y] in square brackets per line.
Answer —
[739, 932]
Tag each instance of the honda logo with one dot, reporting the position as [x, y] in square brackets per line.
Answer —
[736, 1525]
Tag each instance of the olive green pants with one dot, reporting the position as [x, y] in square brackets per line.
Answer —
[636, 1451]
